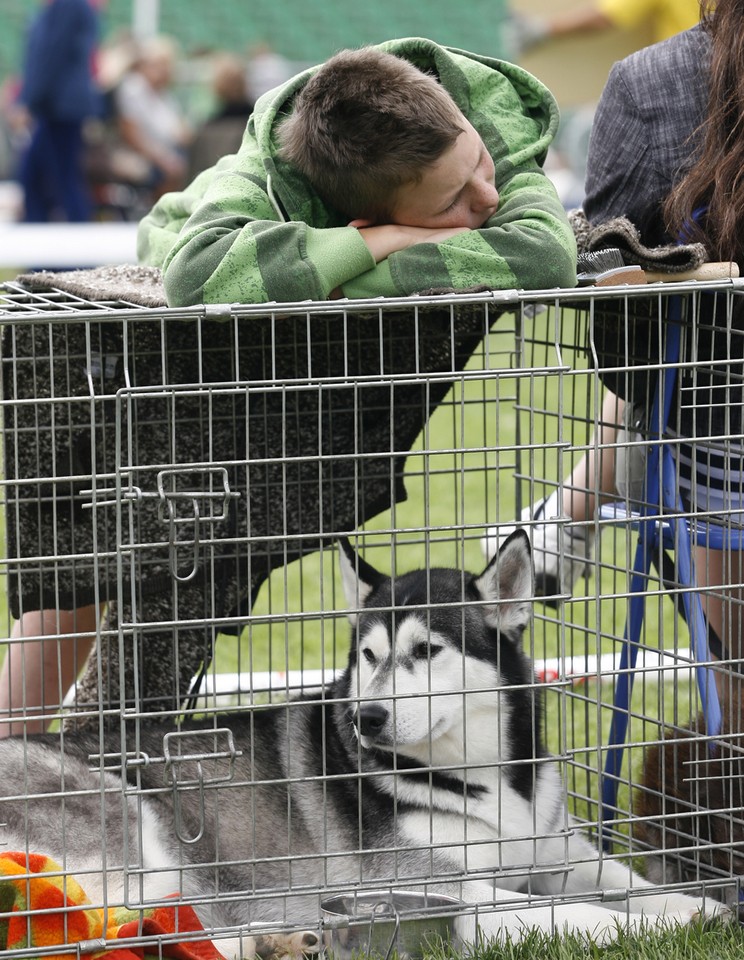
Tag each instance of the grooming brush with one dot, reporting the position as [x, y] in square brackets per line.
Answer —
[606, 268]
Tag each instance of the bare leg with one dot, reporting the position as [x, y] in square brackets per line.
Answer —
[563, 551]
[38, 671]
[593, 478]
[723, 605]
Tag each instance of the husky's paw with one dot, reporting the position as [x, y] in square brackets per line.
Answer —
[301, 943]
[681, 908]
[270, 946]
[236, 948]
[709, 909]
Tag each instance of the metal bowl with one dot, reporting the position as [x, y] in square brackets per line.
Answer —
[378, 922]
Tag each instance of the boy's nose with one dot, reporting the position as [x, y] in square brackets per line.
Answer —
[487, 198]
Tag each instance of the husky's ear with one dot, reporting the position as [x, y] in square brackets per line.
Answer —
[359, 577]
[509, 578]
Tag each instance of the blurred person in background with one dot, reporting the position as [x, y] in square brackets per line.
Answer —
[223, 131]
[119, 176]
[14, 139]
[150, 118]
[664, 17]
[266, 70]
[59, 94]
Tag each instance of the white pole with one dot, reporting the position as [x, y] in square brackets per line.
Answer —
[145, 18]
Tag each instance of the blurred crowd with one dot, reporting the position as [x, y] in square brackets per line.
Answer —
[98, 130]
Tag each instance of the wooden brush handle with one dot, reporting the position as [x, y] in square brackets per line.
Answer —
[724, 270]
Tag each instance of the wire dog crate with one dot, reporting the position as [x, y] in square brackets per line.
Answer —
[181, 477]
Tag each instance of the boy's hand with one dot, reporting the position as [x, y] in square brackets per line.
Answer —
[390, 237]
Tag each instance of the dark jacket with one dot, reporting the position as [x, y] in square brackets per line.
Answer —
[643, 136]
[57, 71]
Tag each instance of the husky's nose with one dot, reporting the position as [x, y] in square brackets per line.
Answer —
[371, 718]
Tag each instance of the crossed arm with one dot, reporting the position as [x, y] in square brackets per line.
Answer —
[230, 248]
[386, 239]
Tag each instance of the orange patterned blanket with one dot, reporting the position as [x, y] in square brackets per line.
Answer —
[42, 907]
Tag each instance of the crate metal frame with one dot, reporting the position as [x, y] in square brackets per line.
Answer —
[525, 343]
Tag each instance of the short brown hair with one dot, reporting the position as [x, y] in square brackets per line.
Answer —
[365, 124]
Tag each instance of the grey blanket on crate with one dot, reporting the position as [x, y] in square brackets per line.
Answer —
[306, 462]
[120, 283]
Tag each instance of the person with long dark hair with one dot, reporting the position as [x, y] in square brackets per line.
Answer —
[667, 152]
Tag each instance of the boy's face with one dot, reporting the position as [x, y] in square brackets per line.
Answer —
[457, 190]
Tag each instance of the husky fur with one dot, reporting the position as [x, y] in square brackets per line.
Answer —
[421, 767]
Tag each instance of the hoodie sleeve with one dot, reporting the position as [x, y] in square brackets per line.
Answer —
[233, 249]
[221, 241]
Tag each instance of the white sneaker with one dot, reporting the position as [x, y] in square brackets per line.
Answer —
[561, 551]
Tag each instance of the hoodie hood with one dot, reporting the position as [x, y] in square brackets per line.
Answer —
[491, 93]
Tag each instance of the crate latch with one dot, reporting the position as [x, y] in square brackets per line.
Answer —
[189, 772]
[187, 503]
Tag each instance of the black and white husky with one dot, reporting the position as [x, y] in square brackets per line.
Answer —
[421, 767]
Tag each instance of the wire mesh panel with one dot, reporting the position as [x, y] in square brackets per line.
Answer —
[318, 672]
[655, 537]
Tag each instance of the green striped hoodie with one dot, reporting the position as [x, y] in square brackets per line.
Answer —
[252, 230]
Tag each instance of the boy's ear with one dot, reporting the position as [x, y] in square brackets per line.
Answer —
[359, 577]
[509, 579]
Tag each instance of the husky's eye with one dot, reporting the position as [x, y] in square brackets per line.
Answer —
[426, 651]
[368, 655]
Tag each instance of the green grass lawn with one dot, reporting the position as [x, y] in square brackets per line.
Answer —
[699, 941]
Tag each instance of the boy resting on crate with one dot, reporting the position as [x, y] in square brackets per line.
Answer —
[387, 171]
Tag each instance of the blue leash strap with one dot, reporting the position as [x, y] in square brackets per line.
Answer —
[660, 485]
